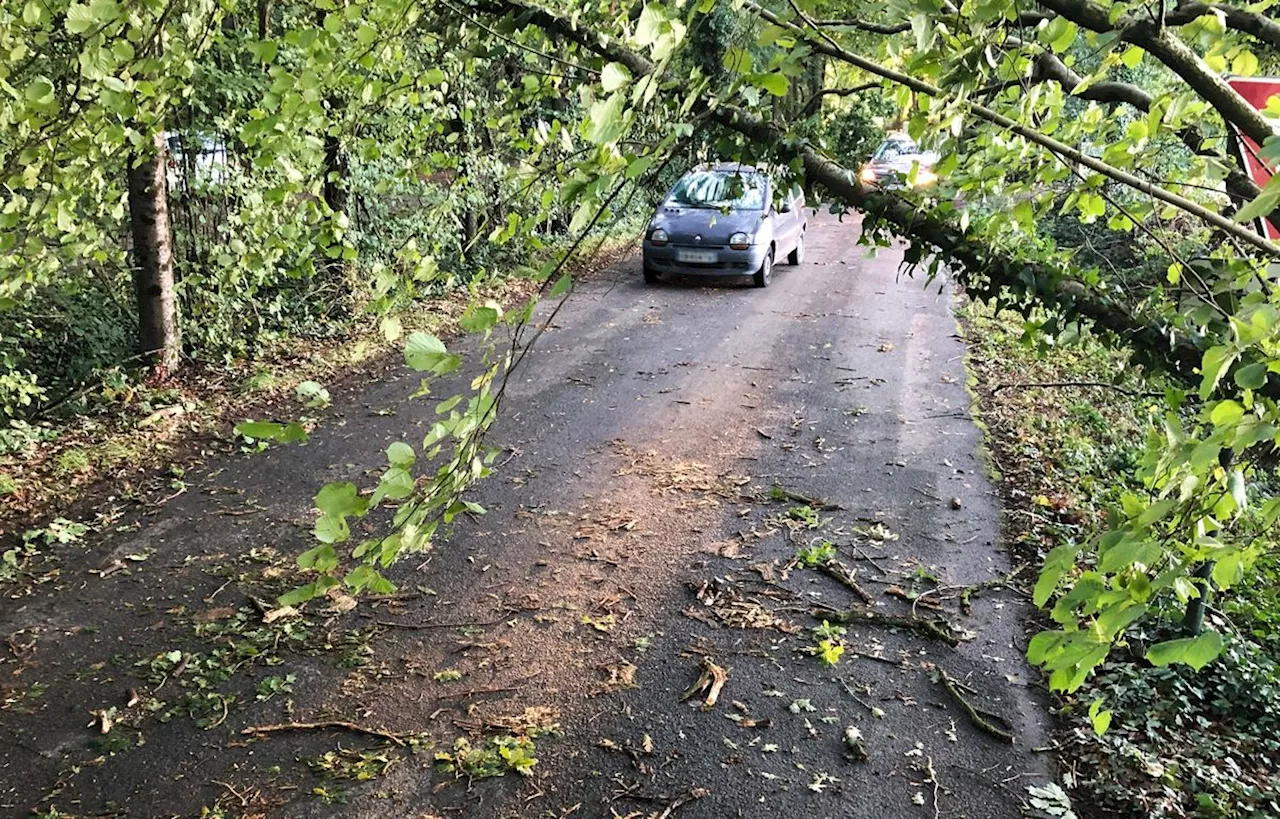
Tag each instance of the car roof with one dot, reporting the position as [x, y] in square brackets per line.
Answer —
[727, 166]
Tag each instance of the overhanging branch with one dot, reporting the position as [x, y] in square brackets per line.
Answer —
[1048, 286]
[829, 48]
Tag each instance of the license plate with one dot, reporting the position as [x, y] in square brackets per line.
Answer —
[696, 256]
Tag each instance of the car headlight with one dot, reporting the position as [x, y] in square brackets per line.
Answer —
[925, 177]
[658, 237]
[739, 241]
[867, 175]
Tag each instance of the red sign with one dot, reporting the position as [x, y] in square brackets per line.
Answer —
[1256, 91]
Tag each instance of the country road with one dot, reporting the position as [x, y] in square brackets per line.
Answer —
[642, 527]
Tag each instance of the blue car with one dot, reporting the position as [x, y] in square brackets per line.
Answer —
[725, 220]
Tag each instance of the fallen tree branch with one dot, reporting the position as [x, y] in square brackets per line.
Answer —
[817, 503]
[834, 568]
[1230, 104]
[934, 629]
[1166, 47]
[988, 271]
[327, 725]
[977, 718]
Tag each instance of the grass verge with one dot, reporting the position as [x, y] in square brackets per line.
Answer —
[1066, 428]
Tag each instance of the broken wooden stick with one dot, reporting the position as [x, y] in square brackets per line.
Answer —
[935, 629]
[343, 725]
[710, 681]
[1005, 581]
[817, 503]
[977, 717]
[836, 569]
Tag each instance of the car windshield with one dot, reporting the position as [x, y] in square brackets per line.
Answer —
[890, 150]
[739, 190]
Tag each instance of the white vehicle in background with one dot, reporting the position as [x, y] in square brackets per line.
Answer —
[899, 163]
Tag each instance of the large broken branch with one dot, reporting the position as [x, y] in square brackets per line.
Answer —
[1050, 67]
[1253, 23]
[1161, 43]
[934, 629]
[1061, 149]
[974, 261]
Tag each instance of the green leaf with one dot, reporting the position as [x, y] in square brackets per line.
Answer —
[1263, 203]
[401, 454]
[775, 83]
[1196, 652]
[1213, 367]
[605, 122]
[1101, 720]
[340, 499]
[40, 91]
[1226, 413]
[561, 286]
[1252, 376]
[1059, 34]
[638, 166]
[80, 18]
[737, 60]
[614, 76]
[260, 430]
[322, 558]
[312, 394]
[479, 318]
[426, 353]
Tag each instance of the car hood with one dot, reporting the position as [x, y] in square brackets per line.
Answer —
[714, 226]
[903, 164]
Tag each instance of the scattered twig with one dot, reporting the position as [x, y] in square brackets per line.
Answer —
[684, 798]
[834, 568]
[397, 624]
[710, 681]
[244, 802]
[1101, 384]
[848, 689]
[977, 718]
[995, 582]
[474, 692]
[933, 778]
[817, 503]
[343, 725]
[925, 628]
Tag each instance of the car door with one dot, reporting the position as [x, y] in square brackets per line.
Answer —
[788, 221]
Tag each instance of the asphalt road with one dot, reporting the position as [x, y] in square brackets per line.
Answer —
[631, 533]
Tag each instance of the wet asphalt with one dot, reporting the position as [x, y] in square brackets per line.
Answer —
[642, 438]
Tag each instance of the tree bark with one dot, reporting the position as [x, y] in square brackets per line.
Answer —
[336, 170]
[159, 338]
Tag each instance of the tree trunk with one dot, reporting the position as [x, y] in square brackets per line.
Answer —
[158, 334]
[1193, 619]
[336, 170]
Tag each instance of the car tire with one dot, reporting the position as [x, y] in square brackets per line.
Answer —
[764, 275]
[650, 275]
[797, 256]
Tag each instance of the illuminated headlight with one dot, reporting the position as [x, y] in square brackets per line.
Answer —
[925, 178]
[867, 175]
[739, 241]
[658, 237]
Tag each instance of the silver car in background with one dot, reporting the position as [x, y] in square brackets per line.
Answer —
[725, 220]
[899, 163]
